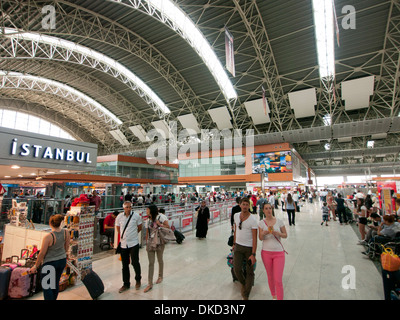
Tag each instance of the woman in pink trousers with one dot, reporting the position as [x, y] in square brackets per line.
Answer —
[271, 231]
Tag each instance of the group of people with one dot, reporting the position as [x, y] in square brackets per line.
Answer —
[55, 245]
[246, 233]
[128, 225]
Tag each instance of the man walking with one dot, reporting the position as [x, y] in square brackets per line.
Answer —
[129, 224]
[245, 247]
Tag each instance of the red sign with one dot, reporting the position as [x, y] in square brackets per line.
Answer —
[2, 190]
[186, 222]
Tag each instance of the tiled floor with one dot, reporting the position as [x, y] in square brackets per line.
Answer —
[197, 269]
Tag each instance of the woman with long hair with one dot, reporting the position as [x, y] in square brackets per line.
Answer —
[271, 231]
[362, 213]
[290, 209]
[155, 221]
[53, 252]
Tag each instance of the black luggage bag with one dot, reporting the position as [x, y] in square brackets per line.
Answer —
[179, 236]
[5, 275]
[93, 283]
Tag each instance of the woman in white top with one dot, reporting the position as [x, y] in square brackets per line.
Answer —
[271, 231]
[155, 220]
[362, 213]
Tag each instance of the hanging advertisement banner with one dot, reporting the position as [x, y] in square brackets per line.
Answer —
[229, 52]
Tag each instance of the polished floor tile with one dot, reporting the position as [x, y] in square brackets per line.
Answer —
[316, 267]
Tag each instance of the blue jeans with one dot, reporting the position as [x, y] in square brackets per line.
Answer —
[59, 265]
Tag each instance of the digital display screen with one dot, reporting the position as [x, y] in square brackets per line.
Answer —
[272, 162]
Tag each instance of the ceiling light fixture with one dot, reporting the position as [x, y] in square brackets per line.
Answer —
[15, 167]
[325, 35]
[171, 15]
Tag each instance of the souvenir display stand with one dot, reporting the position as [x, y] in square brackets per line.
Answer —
[18, 214]
[80, 222]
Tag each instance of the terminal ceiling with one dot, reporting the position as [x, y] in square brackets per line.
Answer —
[275, 49]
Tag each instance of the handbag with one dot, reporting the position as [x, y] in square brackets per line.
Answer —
[389, 260]
[230, 240]
[118, 250]
[155, 240]
[167, 234]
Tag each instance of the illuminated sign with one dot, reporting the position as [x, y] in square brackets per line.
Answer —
[43, 152]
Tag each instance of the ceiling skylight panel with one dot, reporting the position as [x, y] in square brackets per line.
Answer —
[197, 40]
[324, 32]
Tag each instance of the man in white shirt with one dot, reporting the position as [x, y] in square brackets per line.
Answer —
[245, 246]
[129, 244]
[359, 195]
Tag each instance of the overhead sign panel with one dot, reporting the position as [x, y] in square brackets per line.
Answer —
[27, 149]
[221, 117]
[255, 110]
[140, 133]
[303, 102]
[356, 93]
[189, 121]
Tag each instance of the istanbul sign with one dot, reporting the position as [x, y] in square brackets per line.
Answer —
[35, 150]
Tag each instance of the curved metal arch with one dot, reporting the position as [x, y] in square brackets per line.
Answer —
[16, 80]
[56, 117]
[31, 44]
[172, 16]
[84, 82]
[125, 39]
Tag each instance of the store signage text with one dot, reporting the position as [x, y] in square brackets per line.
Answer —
[42, 152]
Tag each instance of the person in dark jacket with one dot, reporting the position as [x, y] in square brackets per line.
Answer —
[203, 218]
[235, 209]
[341, 210]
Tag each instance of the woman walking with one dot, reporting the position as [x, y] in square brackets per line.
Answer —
[331, 205]
[290, 209]
[53, 253]
[155, 221]
[271, 231]
[203, 218]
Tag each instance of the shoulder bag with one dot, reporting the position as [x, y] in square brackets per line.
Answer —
[118, 250]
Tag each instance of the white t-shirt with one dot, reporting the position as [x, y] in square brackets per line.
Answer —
[131, 236]
[244, 237]
[161, 217]
[361, 213]
[270, 243]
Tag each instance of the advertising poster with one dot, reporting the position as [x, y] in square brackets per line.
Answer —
[187, 221]
[272, 162]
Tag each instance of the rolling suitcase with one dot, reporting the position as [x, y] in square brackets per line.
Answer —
[22, 284]
[179, 236]
[93, 283]
[5, 275]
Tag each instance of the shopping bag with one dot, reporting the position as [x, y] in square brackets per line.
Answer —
[389, 260]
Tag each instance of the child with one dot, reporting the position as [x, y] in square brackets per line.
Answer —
[325, 214]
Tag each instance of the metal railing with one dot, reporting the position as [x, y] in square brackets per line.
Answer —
[183, 218]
